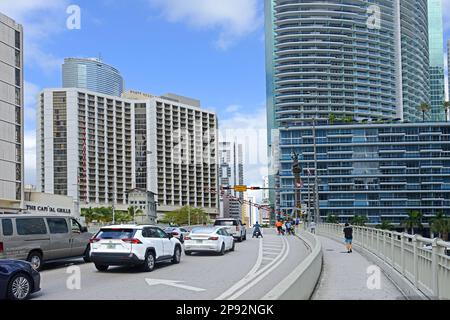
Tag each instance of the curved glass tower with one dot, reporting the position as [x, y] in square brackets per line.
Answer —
[92, 74]
[342, 58]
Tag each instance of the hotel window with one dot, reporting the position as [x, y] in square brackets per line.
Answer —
[18, 77]
[17, 39]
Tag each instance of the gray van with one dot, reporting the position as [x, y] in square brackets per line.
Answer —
[39, 238]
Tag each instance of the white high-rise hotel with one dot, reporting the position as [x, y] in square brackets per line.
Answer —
[95, 148]
[11, 115]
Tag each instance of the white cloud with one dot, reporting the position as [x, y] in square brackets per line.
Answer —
[233, 108]
[41, 20]
[234, 18]
[30, 156]
[31, 91]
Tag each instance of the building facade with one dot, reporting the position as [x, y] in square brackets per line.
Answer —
[84, 146]
[230, 173]
[145, 201]
[381, 171]
[92, 74]
[437, 79]
[11, 116]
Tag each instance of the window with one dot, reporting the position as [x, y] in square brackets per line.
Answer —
[76, 227]
[161, 234]
[17, 39]
[57, 225]
[17, 58]
[31, 226]
[18, 77]
[7, 227]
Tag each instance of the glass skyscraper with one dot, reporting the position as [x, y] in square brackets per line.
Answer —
[437, 80]
[92, 74]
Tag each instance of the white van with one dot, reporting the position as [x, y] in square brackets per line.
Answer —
[40, 238]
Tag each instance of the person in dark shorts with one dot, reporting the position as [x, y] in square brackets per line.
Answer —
[348, 234]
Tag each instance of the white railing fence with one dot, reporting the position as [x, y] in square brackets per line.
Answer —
[423, 261]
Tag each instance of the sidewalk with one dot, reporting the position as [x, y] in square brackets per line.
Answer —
[344, 276]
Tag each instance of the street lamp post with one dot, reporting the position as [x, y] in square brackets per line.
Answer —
[297, 183]
[316, 187]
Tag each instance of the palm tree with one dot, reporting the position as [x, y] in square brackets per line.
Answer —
[332, 219]
[385, 225]
[332, 118]
[414, 219]
[359, 220]
[424, 107]
[441, 225]
[446, 108]
[134, 211]
[88, 214]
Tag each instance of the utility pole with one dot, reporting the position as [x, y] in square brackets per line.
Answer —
[316, 186]
[309, 199]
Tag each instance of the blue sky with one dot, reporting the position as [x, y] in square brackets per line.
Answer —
[212, 50]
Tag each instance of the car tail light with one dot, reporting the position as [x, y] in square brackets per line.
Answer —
[213, 238]
[93, 240]
[175, 233]
[1, 247]
[132, 241]
[187, 238]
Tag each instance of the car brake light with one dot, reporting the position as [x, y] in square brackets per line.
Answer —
[187, 238]
[175, 233]
[1, 247]
[93, 240]
[213, 238]
[132, 241]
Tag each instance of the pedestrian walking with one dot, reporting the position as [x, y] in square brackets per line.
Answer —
[313, 227]
[348, 234]
[288, 224]
[297, 221]
[279, 226]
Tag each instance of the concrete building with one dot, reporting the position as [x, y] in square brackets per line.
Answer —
[84, 146]
[437, 79]
[92, 74]
[382, 171]
[47, 203]
[231, 173]
[177, 158]
[97, 147]
[11, 116]
[145, 201]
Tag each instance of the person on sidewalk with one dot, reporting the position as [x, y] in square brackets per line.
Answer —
[348, 234]
[313, 227]
[287, 225]
[279, 226]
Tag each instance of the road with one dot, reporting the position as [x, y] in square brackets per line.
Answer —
[248, 273]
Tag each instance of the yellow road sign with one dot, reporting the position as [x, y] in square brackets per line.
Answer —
[240, 188]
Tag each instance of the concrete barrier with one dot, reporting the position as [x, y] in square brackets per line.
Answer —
[301, 282]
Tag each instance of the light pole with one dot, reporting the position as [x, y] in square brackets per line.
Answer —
[316, 187]
[297, 183]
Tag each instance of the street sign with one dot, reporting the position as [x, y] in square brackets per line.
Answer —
[240, 188]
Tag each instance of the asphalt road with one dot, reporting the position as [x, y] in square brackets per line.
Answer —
[249, 272]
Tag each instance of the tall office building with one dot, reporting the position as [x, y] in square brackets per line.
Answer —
[11, 115]
[177, 158]
[92, 74]
[437, 79]
[448, 68]
[231, 173]
[84, 145]
[96, 148]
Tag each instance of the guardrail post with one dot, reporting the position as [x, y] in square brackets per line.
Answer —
[384, 246]
[436, 250]
[416, 261]
[392, 249]
[402, 254]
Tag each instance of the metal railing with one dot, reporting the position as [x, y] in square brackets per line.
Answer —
[423, 261]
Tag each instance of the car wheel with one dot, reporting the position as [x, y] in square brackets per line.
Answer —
[35, 258]
[232, 246]
[222, 249]
[19, 287]
[101, 267]
[245, 236]
[176, 255]
[188, 253]
[239, 239]
[86, 256]
[149, 263]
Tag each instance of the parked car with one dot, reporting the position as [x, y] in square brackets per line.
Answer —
[133, 245]
[39, 239]
[234, 226]
[215, 239]
[18, 280]
[179, 233]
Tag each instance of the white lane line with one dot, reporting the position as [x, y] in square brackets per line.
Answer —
[264, 274]
[267, 258]
[247, 277]
[240, 284]
[272, 253]
[172, 283]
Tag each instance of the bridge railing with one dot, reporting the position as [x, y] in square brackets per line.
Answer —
[423, 261]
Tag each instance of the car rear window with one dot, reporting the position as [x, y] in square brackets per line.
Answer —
[203, 230]
[7, 227]
[116, 233]
[225, 223]
[31, 226]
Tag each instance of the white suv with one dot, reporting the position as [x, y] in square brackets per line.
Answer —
[133, 245]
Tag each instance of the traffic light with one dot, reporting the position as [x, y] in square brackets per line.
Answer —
[254, 188]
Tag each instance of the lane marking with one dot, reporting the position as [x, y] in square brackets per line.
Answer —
[172, 283]
[244, 284]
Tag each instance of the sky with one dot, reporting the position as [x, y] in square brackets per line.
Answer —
[212, 50]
